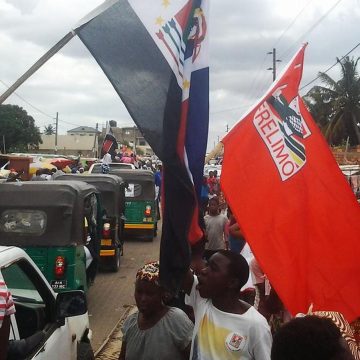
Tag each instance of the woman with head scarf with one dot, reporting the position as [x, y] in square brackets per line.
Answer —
[156, 331]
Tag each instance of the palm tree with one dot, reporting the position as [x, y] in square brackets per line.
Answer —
[49, 130]
[336, 106]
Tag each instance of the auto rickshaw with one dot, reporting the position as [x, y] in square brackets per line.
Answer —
[56, 223]
[112, 192]
[141, 214]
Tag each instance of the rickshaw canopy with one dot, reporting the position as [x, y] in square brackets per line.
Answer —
[111, 188]
[140, 183]
[44, 213]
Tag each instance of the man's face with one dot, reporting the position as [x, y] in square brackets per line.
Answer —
[214, 277]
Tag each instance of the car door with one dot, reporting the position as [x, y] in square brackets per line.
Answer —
[35, 312]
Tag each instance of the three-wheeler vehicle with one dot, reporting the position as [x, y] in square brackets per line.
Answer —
[112, 193]
[140, 205]
[56, 223]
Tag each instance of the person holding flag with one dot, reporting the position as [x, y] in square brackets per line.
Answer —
[159, 68]
[303, 230]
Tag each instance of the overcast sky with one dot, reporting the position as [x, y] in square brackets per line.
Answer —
[241, 34]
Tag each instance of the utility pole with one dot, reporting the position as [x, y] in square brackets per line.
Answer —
[95, 147]
[273, 68]
[134, 140]
[56, 131]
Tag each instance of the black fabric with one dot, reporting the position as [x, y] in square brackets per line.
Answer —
[148, 87]
[138, 72]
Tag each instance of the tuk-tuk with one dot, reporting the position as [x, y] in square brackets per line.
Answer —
[140, 206]
[112, 192]
[56, 223]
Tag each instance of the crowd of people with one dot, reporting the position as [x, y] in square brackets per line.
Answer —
[216, 316]
[220, 319]
[223, 326]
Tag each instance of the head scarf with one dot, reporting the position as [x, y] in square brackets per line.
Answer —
[149, 272]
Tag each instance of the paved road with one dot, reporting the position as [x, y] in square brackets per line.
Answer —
[112, 293]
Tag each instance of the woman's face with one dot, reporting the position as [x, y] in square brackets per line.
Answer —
[148, 297]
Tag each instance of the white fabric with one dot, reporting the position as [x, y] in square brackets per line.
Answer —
[215, 227]
[89, 258]
[107, 159]
[221, 335]
[6, 302]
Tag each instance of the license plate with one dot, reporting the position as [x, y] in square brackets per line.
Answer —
[58, 284]
[106, 242]
[149, 219]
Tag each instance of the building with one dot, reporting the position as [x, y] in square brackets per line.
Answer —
[130, 135]
[83, 131]
[73, 144]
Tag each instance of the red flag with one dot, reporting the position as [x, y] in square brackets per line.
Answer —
[295, 207]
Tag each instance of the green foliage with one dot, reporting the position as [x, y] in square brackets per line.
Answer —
[19, 129]
[336, 105]
[49, 130]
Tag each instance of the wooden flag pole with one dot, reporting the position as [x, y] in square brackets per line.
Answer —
[37, 65]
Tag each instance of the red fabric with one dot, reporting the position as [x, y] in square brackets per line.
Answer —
[301, 220]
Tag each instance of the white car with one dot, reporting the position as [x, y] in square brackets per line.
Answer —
[46, 325]
[96, 167]
[208, 168]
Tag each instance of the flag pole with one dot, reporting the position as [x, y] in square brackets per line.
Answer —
[37, 65]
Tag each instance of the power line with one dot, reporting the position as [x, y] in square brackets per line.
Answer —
[324, 72]
[292, 22]
[289, 49]
[232, 109]
[25, 101]
[259, 71]
[37, 109]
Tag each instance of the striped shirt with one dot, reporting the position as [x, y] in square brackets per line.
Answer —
[6, 302]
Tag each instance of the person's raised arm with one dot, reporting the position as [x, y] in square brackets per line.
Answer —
[197, 264]
[235, 230]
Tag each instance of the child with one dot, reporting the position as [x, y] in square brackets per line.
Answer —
[156, 331]
[215, 226]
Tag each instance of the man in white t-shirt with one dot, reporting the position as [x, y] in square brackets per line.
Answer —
[107, 159]
[225, 327]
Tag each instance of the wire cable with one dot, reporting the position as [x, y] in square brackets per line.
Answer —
[38, 110]
[292, 23]
[310, 82]
[289, 49]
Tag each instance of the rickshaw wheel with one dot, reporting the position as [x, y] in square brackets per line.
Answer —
[114, 262]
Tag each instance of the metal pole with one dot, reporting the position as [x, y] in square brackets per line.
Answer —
[274, 64]
[56, 131]
[37, 65]
[95, 148]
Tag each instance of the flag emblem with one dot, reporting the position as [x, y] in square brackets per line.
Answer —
[181, 40]
[283, 129]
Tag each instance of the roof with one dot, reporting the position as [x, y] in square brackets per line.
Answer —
[63, 203]
[81, 129]
[132, 174]
[111, 188]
